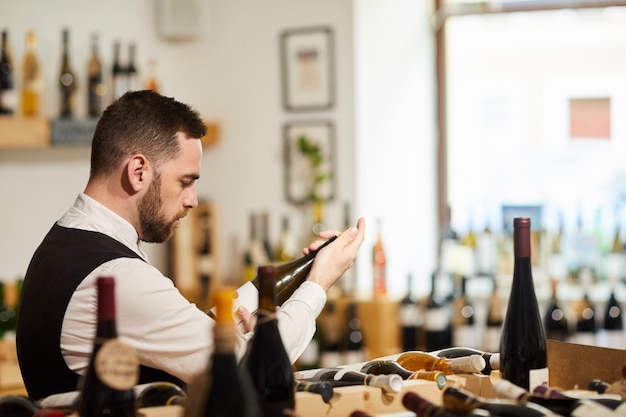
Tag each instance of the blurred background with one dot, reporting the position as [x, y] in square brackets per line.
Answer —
[443, 121]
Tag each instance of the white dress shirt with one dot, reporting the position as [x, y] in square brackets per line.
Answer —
[167, 331]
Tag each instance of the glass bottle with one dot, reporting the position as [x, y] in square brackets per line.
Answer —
[411, 319]
[416, 360]
[230, 391]
[555, 321]
[379, 264]
[95, 85]
[266, 360]
[492, 359]
[67, 80]
[523, 355]
[340, 377]
[8, 96]
[324, 388]
[119, 79]
[113, 370]
[437, 318]
[31, 78]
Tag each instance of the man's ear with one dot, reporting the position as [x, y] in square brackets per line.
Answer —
[139, 172]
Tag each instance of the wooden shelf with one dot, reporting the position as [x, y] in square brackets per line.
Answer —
[18, 132]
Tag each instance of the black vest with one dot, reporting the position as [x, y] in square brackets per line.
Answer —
[64, 258]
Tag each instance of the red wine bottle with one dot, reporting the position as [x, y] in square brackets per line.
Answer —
[113, 371]
[437, 318]
[492, 359]
[523, 354]
[230, 390]
[411, 319]
[388, 367]
[324, 388]
[267, 360]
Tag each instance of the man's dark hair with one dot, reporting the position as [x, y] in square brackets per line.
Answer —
[141, 122]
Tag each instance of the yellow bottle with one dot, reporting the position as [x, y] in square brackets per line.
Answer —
[419, 360]
[31, 78]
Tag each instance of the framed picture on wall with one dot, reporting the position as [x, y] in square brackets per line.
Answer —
[309, 161]
[307, 68]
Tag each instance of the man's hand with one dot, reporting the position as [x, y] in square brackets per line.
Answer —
[336, 258]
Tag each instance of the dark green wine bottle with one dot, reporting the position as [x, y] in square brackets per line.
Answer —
[267, 360]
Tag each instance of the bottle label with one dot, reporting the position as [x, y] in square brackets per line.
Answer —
[410, 316]
[117, 365]
[591, 409]
[437, 319]
[537, 377]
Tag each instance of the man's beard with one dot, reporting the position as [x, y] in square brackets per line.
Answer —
[155, 227]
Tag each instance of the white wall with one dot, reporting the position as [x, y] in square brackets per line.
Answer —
[231, 74]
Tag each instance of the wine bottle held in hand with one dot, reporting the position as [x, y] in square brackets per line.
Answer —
[289, 276]
[113, 370]
[523, 354]
[267, 360]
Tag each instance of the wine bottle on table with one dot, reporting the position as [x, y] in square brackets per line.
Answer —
[267, 360]
[343, 377]
[330, 328]
[555, 321]
[388, 367]
[324, 388]
[113, 370]
[586, 328]
[523, 355]
[95, 87]
[556, 401]
[437, 318]
[289, 277]
[230, 390]
[462, 401]
[67, 79]
[492, 359]
[8, 96]
[411, 319]
[32, 82]
[416, 360]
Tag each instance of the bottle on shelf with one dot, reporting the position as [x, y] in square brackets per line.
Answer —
[32, 83]
[344, 377]
[416, 360]
[132, 73]
[287, 243]
[331, 329]
[354, 345]
[555, 320]
[229, 387]
[152, 82]
[586, 328]
[119, 79]
[8, 310]
[492, 359]
[464, 330]
[67, 79]
[437, 318]
[255, 254]
[523, 354]
[95, 82]
[379, 264]
[205, 255]
[347, 281]
[108, 390]
[266, 360]
[611, 335]
[494, 320]
[324, 388]
[411, 319]
[265, 237]
[8, 96]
